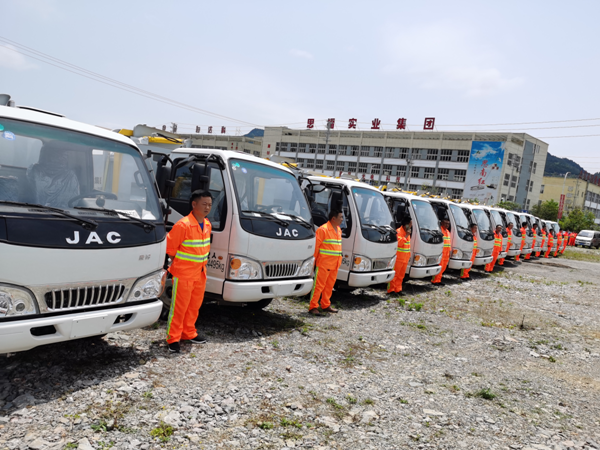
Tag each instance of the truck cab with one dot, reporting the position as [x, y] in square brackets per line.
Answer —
[528, 235]
[426, 241]
[485, 241]
[461, 237]
[263, 239]
[496, 217]
[515, 245]
[369, 240]
[82, 237]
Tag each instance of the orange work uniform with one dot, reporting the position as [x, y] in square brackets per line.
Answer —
[550, 243]
[464, 273]
[558, 243]
[495, 252]
[523, 239]
[402, 258]
[573, 236]
[508, 242]
[537, 254]
[565, 242]
[445, 256]
[529, 255]
[328, 259]
[189, 245]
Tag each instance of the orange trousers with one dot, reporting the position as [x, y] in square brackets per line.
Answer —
[186, 301]
[322, 287]
[444, 264]
[464, 273]
[489, 267]
[549, 250]
[557, 249]
[518, 257]
[400, 268]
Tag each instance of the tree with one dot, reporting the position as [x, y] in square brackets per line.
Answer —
[547, 210]
[578, 220]
[511, 206]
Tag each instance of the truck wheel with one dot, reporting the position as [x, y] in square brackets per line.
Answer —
[259, 304]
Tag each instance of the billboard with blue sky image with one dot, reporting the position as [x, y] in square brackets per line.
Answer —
[483, 173]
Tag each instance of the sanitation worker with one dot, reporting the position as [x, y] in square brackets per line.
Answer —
[544, 236]
[328, 258]
[445, 226]
[529, 255]
[489, 267]
[523, 231]
[402, 255]
[464, 273]
[558, 243]
[188, 245]
[509, 228]
[565, 241]
[550, 243]
[573, 237]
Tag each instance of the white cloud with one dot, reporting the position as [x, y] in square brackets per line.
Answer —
[301, 54]
[444, 57]
[10, 59]
[483, 153]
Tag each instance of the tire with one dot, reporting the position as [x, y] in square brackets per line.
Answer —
[259, 304]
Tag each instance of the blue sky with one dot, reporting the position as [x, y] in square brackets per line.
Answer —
[465, 63]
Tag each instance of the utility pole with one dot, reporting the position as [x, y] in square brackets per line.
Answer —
[409, 159]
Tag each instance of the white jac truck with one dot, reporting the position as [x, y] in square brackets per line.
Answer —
[82, 238]
[485, 241]
[263, 239]
[369, 240]
[426, 240]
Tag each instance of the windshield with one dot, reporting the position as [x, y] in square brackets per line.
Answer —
[484, 225]
[461, 222]
[65, 169]
[586, 234]
[372, 208]
[426, 218]
[497, 218]
[556, 227]
[262, 189]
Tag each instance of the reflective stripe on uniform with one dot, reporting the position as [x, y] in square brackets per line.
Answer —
[173, 299]
[330, 252]
[195, 242]
[191, 257]
[333, 241]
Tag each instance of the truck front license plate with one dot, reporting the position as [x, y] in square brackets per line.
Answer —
[89, 326]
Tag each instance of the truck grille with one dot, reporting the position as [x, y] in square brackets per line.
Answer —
[467, 255]
[281, 270]
[432, 260]
[380, 264]
[487, 252]
[82, 297]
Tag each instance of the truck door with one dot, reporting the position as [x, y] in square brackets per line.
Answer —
[185, 179]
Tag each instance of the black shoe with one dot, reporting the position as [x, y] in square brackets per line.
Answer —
[174, 347]
[198, 340]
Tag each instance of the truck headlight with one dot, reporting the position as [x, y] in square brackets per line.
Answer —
[15, 301]
[457, 254]
[306, 270]
[419, 260]
[514, 246]
[479, 253]
[361, 263]
[148, 287]
[392, 263]
[242, 268]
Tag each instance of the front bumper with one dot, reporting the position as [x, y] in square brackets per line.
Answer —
[459, 263]
[525, 251]
[364, 279]
[253, 291]
[16, 336]
[424, 272]
[483, 261]
[514, 252]
[502, 255]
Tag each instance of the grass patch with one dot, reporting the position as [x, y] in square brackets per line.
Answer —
[486, 394]
[163, 432]
[582, 255]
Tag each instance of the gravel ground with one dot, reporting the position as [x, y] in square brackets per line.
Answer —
[504, 361]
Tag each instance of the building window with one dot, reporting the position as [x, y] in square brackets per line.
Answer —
[378, 151]
[312, 148]
[542, 189]
[319, 164]
[412, 187]
[511, 198]
[513, 181]
[354, 150]
[403, 153]
[415, 153]
[362, 167]
[302, 148]
[506, 179]
[342, 149]
[256, 153]
[443, 174]
[310, 163]
[528, 203]
[432, 154]
[414, 172]
[293, 146]
[459, 175]
[351, 167]
[401, 171]
[330, 165]
[534, 167]
[463, 156]
[364, 150]
[456, 193]
[387, 169]
[389, 152]
[332, 150]
[321, 148]
[446, 155]
[375, 169]
[429, 173]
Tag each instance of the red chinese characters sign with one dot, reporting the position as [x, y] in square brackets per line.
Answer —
[375, 124]
[561, 206]
[310, 123]
[352, 124]
[222, 130]
[210, 130]
[401, 124]
[330, 123]
[429, 123]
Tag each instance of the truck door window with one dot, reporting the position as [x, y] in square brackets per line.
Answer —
[462, 223]
[321, 205]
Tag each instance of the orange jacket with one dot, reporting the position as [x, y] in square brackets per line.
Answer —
[474, 254]
[446, 249]
[328, 251]
[523, 237]
[189, 247]
[508, 240]
[544, 234]
[497, 243]
[403, 250]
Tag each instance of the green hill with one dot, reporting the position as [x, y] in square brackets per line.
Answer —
[556, 167]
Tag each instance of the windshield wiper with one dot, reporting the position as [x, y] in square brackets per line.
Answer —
[85, 223]
[268, 216]
[381, 229]
[302, 221]
[145, 223]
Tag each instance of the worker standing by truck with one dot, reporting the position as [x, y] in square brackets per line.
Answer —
[528, 255]
[497, 248]
[188, 245]
[328, 257]
[464, 273]
[565, 241]
[523, 237]
[509, 228]
[550, 242]
[559, 241]
[402, 255]
[544, 235]
[445, 225]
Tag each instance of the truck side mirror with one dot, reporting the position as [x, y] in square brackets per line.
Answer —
[162, 179]
[336, 200]
[200, 177]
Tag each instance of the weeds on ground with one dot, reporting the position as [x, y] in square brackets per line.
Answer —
[486, 394]
[163, 432]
